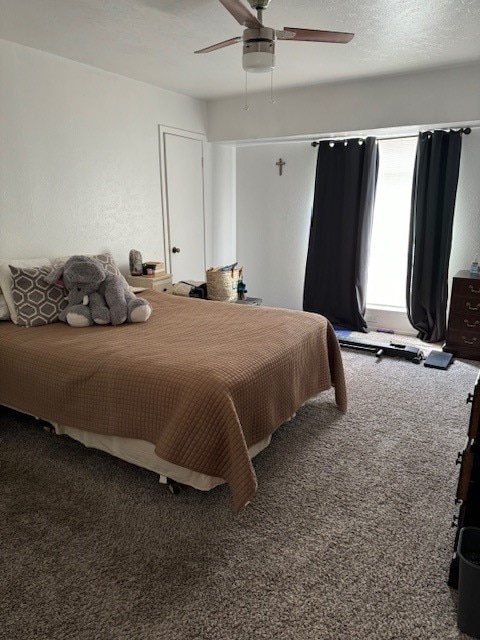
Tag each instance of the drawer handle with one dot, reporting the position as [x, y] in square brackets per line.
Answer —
[470, 286]
[472, 341]
[472, 325]
[473, 308]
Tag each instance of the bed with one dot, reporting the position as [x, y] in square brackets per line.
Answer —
[194, 393]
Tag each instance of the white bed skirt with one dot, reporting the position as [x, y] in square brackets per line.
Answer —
[143, 454]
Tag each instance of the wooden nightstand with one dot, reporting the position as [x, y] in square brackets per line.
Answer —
[463, 331]
[161, 283]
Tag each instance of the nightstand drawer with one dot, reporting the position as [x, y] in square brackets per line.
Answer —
[466, 459]
[467, 339]
[467, 323]
[463, 344]
[466, 287]
[465, 304]
[163, 283]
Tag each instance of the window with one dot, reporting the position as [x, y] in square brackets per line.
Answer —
[387, 271]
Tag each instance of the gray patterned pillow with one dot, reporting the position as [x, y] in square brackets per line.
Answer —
[109, 263]
[36, 302]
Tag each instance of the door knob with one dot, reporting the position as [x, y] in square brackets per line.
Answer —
[175, 250]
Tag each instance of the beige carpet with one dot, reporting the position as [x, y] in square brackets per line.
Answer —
[348, 538]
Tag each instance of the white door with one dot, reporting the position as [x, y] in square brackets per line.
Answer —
[183, 204]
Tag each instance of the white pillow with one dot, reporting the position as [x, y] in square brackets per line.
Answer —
[6, 279]
[4, 312]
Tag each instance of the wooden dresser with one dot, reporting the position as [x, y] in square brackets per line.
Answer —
[463, 330]
[468, 489]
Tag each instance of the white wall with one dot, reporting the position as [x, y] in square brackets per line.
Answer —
[273, 219]
[79, 157]
[429, 97]
[223, 231]
[466, 225]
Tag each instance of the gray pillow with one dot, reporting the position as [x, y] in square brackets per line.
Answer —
[36, 302]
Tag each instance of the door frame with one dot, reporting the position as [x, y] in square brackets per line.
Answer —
[182, 133]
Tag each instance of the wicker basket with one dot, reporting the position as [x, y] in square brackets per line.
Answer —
[222, 285]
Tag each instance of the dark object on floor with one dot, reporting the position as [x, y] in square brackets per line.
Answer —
[256, 302]
[468, 617]
[438, 360]
[241, 289]
[453, 572]
[393, 349]
[199, 291]
[196, 290]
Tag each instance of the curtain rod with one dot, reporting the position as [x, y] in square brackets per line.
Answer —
[466, 130]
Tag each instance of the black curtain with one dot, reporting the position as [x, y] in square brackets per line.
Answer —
[337, 259]
[431, 220]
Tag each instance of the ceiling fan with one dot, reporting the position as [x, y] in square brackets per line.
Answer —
[259, 41]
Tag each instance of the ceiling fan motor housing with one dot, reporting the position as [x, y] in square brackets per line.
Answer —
[259, 50]
[259, 4]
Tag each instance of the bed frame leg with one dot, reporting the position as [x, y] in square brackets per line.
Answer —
[46, 426]
[173, 487]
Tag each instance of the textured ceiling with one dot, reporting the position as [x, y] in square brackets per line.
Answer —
[154, 40]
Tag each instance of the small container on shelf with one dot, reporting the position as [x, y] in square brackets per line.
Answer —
[474, 266]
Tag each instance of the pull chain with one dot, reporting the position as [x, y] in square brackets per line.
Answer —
[246, 107]
[272, 99]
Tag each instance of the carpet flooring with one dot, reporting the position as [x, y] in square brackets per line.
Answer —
[348, 538]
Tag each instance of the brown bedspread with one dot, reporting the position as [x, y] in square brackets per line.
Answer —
[201, 380]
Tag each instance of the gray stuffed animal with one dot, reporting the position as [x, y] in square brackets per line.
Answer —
[97, 296]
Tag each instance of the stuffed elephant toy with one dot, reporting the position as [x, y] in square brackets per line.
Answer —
[96, 296]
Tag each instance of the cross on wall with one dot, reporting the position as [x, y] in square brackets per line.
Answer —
[280, 164]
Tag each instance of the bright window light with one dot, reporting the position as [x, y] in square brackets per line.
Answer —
[387, 269]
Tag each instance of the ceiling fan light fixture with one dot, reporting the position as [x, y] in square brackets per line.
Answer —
[258, 61]
[258, 50]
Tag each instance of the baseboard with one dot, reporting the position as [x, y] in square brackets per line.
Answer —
[390, 319]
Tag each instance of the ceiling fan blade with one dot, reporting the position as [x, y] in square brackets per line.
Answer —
[241, 14]
[220, 45]
[313, 35]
